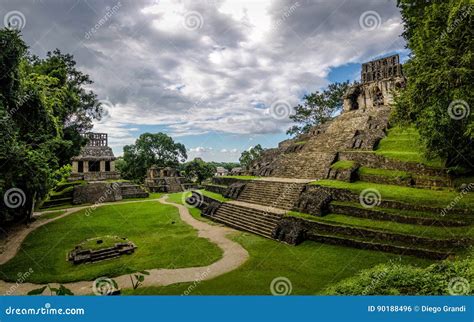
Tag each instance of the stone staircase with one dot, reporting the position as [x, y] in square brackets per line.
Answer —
[248, 218]
[131, 190]
[282, 195]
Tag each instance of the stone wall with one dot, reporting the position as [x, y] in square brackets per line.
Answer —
[96, 192]
[372, 160]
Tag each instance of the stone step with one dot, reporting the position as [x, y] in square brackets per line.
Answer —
[239, 226]
[386, 247]
[380, 235]
[272, 193]
[255, 213]
[247, 218]
[355, 211]
[252, 225]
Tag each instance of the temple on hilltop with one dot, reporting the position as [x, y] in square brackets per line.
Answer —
[366, 109]
[96, 161]
[379, 78]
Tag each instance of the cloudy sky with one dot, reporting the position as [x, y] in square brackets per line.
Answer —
[217, 75]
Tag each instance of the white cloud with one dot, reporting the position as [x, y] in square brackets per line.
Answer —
[220, 77]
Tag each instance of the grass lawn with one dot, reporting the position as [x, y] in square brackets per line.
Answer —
[404, 144]
[163, 241]
[343, 164]
[152, 195]
[52, 214]
[384, 173]
[311, 267]
[242, 177]
[439, 198]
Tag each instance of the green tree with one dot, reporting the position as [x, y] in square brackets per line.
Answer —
[317, 108]
[151, 149]
[43, 109]
[198, 170]
[252, 154]
[439, 95]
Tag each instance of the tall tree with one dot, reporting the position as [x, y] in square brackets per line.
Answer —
[318, 108]
[151, 149]
[438, 97]
[252, 154]
[43, 109]
[198, 170]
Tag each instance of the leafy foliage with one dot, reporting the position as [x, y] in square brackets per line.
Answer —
[138, 278]
[318, 108]
[150, 149]
[61, 290]
[252, 154]
[198, 170]
[440, 74]
[395, 279]
[43, 109]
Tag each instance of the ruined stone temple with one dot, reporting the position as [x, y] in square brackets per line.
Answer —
[289, 174]
[165, 179]
[96, 161]
[359, 128]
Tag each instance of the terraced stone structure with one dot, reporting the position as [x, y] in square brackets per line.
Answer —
[165, 179]
[99, 249]
[285, 202]
[96, 161]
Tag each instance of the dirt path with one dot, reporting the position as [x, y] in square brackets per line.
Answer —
[233, 256]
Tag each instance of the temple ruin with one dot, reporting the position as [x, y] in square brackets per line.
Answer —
[379, 78]
[96, 161]
[165, 179]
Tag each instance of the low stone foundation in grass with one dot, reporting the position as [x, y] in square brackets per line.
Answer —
[101, 248]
